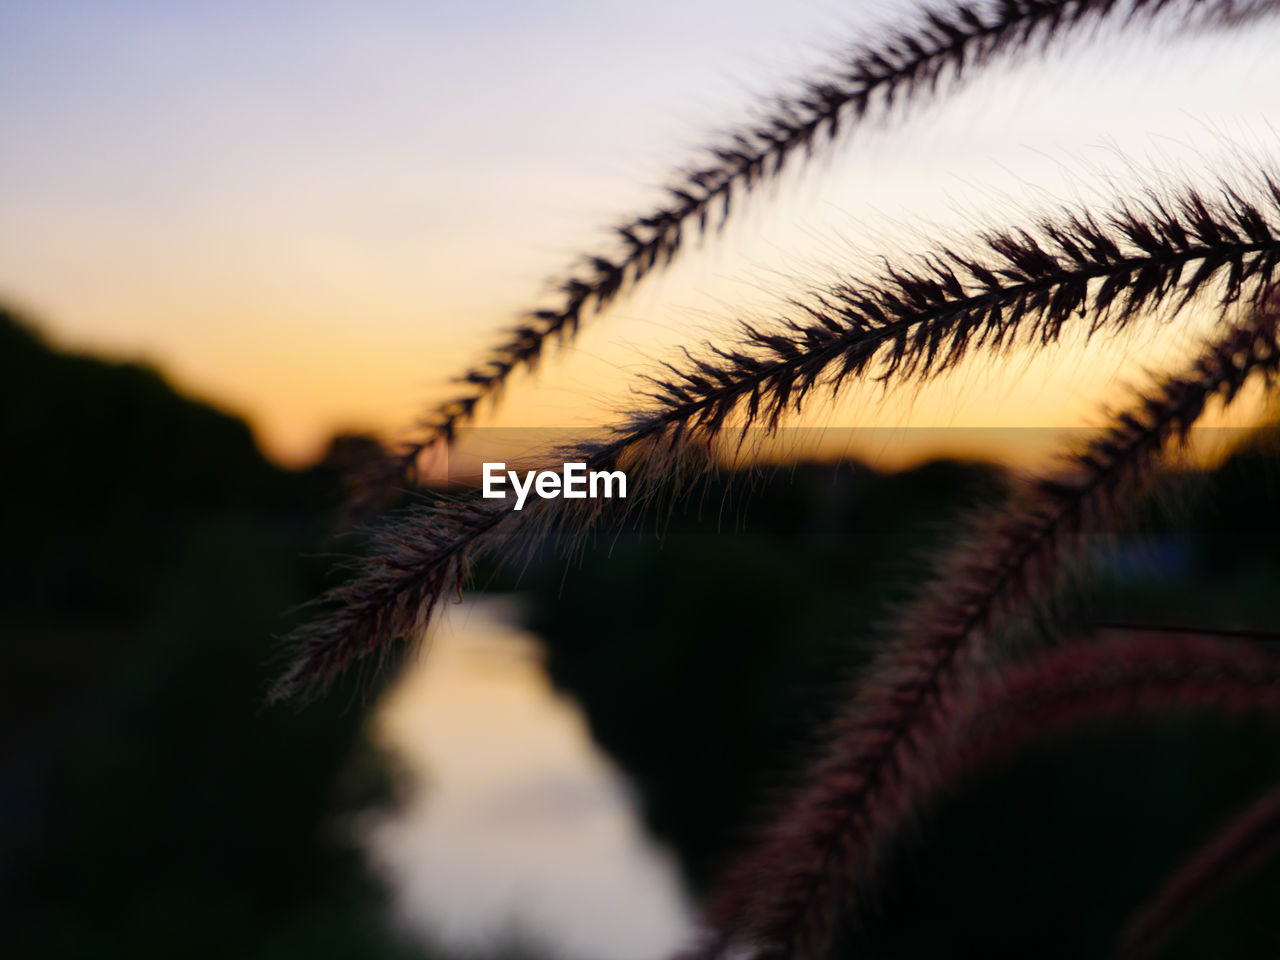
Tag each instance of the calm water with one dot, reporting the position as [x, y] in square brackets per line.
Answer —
[516, 825]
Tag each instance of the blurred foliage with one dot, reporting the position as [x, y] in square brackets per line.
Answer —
[706, 662]
[150, 806]
[708, 659]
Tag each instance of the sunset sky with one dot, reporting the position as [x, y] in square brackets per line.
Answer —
[315, 213]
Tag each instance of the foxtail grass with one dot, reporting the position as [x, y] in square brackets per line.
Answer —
[785, 897]
[942, 43]
[1245, 842]
[1099, 272]
[1059, 692]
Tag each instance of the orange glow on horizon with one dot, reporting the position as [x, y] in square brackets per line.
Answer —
[318, 235]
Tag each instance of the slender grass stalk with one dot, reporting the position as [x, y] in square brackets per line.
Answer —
[1060, 692]
[393, 594]
[1086, 685]
[1062, 689]
[785, 897]
[910, 322]
[1244, 843]
[943, 42]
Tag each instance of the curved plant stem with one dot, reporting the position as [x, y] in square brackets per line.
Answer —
[1060, 692]
[910, 322]
[1246, 841]
[945, 41]
[784, 899]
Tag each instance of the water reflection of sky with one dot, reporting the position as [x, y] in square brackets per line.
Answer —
[517, 825]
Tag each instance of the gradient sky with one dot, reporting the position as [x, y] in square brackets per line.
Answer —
[315, 213]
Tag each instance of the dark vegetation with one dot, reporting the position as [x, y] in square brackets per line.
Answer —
[152, 808]
[986, 613]
[148, 806]
[710, 661]
[1057, 686]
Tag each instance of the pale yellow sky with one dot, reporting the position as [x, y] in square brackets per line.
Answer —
[316, 214]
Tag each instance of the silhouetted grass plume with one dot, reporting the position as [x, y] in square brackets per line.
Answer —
[1242, 844]
[942, 43]
[1096, 270]
[785, 897]
[944, 692]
